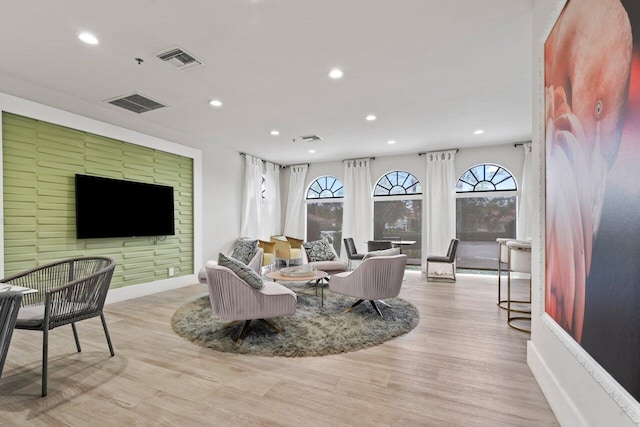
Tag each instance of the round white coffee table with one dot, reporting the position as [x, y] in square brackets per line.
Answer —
[317, 276]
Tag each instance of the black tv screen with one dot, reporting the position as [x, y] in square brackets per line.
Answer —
[108, 207]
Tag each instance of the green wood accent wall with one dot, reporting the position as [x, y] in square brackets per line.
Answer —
[40, 161]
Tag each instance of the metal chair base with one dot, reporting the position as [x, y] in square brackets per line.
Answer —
[244, 331]
[503, 305]
[511, 323]
[373, 304]
[451, 279]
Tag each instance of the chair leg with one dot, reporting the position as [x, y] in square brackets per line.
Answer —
[243, 332]
[441, 278]
[75, 335]
[230, 324]
[352, 306]
[373, 303]
[106, 334]
[271, 325]
[45, 351]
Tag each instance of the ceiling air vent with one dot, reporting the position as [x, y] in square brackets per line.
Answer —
[179, 58]
[307, 138]
[136, 103]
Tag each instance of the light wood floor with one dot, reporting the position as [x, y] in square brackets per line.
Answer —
[462, 365]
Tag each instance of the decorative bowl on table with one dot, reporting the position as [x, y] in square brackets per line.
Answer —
[304, 271]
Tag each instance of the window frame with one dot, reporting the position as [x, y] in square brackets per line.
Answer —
[494, 191]
[334, 197]
[401, 197]
[515, 193]
[405, 196]
[318, 200]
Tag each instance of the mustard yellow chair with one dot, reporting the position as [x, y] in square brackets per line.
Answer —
[287, 248]
[269, 253]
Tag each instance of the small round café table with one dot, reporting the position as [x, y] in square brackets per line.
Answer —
[317, 276]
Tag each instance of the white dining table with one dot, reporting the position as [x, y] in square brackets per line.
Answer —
[402, 243]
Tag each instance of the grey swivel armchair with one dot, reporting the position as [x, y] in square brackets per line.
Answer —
[234, 300]
[376, 278]
[255, 264]
[332, 266]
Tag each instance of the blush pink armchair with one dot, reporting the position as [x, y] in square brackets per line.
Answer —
[255, 264]
[234, 300]
[376, 278]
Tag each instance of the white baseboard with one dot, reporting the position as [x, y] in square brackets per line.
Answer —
[143, 289]
[561, 405]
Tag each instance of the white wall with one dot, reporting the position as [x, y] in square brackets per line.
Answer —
[217, 188]
[222, 176]
[579, 391]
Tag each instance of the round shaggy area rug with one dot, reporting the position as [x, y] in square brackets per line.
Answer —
[311, 331]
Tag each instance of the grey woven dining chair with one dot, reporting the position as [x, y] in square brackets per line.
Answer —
[352, 252]
[68, 291]
[9, 306]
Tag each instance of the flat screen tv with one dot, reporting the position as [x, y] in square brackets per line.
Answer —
[108, 207]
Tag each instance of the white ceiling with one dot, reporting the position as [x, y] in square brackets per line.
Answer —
[432, 71]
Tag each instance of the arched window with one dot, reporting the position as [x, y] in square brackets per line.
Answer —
[486, 177]
[486, 201]
[397, 211]
[324, 210]
[397, 183]
[326, 187]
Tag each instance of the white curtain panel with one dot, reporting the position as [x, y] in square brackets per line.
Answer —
[526, 207]
[271, 217]
[251, 197]
[357, 217]
[439, 207]
[294, 217]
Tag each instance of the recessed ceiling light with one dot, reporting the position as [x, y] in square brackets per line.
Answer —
[274, 132]
[88, 38]
[391, 142]
[371, 117]
[336, 73]
[312, 151]
[478, 132]
[215, 103]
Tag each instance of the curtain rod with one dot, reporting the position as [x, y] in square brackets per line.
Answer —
[360, 158]
[521, 143]
[436, 151]
[297, 164]
[245, 154]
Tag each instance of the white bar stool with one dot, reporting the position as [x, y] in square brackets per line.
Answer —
[503, 265]
[519, 261]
